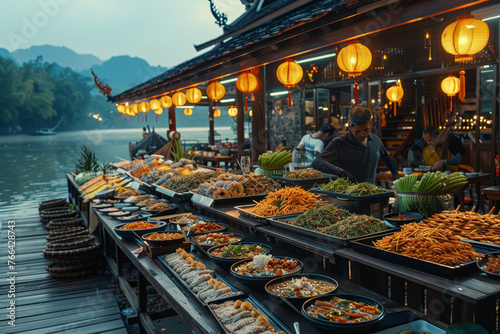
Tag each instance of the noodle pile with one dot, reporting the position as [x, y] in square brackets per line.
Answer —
[286, 201]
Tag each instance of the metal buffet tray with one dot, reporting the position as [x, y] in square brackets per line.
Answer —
[325, 177]
[264, 219]
[273, 320]
[280, 223]
[365, 246]
[356, 198]
[214, 275]
[232, 200]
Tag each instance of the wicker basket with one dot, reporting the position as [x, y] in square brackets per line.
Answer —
[71, 243]
[59, 224]
[66, 213]
[52, 203]
[74, 274]
[64, 268]
[77, 252]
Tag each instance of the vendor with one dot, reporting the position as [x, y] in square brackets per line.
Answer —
[439, 152]
[314, 143]
[355, 154]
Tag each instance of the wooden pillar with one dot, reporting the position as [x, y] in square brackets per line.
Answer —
[259, 133]
[171, 119]
[240, 128]
[419, 108]
[211, 135]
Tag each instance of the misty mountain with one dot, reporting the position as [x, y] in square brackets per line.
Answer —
[6, 54]
[57, 54]
[124, 72]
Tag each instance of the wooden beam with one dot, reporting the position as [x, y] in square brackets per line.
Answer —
[259, 134]
[366, 29]
[240, 122]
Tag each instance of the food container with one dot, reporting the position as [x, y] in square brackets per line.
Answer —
[262, 280]
[418, 326]
[298, 301]
[481, 263]
[206, 247]
[129, 234]
[178, 240]
[358, 327]
[226, 262]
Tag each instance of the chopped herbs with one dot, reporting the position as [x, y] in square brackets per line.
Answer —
[344, 186]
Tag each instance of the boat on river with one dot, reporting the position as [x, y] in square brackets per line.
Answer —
[48, 131]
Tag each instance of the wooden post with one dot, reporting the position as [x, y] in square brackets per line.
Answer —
[171, 119]
[240, 128]
[259, 133]
[211, 140]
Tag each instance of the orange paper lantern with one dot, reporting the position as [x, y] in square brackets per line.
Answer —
[166, 101]
[395, 94]
[451, 86]
[179, 99]
[216, 91]
[193, 95]
[289, 74]
[188, 111]
[144, 106]
[246, 83]
[232, 111]
[217, 113]
[154, 104]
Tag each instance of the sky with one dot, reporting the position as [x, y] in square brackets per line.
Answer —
[163, 32]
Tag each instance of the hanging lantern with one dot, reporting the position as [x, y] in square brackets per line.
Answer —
[217, 113]
[216, 91]
[179, 99]
[463, 39]
[450, 86]
[121, 108]
[250, 113]
[144, 106]
[134, 108]
[354, 59]
[158, 112]
[395, 94]
[193, 95]
[246, 83]
[154, 104]
[188, 111]
[289, 74]
[166, 102]
[232, 111]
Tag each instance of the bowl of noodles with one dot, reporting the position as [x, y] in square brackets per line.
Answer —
[137, 229]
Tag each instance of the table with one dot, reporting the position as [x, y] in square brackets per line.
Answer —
[229, 161]
[492, 194]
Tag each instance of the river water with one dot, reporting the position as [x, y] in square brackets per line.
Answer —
[34, 168]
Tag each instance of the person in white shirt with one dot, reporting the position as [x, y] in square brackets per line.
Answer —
[314, 143]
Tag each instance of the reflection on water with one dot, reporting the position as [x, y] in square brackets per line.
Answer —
[34, 168]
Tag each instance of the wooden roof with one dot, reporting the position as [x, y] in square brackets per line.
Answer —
[307, 26]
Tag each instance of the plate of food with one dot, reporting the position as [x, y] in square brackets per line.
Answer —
[163, 238]
[343, 312]
[490, 264]
[400, 218]
[210, 240]
[262, 268]
[298, 288]
[202, 227]
[135, 229]
[227, 255]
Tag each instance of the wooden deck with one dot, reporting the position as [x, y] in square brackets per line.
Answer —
[50, 305]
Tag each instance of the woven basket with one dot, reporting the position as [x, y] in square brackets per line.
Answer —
[65, 236]
[55, 209]
[47, 217]
[52, 203]
[71, 243]
[64, 268]
[58, 224]
[74, 274]
[77, 252]
[69, 230]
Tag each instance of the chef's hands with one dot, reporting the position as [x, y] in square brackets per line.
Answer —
[439, 165]
[348, 175]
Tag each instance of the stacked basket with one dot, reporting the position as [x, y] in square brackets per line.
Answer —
[73, 251]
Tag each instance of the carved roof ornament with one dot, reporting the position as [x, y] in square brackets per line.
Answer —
[103, 88]
[220, 18]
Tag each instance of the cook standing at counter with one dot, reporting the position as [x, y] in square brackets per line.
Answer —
[355, 154]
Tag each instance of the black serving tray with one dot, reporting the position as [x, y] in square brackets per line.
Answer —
[263, 219]
[356, 198]
[280, 224]
[214, 275]
[185, 196]
[365, 246]
[273, 320]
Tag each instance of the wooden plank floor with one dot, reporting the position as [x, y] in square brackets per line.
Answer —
[50, 305]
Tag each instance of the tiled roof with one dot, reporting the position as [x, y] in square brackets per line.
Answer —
[304, 14]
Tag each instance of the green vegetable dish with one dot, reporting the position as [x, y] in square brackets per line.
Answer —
[344, 186]
[338, 223]
[239, 251]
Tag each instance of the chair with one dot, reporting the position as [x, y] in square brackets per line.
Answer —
[466, 168]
